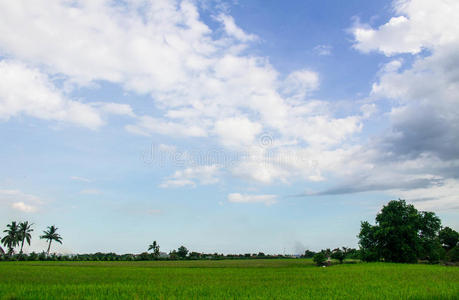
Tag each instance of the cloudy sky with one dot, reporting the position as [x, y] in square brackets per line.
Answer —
[225, 126]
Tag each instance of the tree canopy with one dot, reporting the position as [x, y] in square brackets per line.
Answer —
[401, 234]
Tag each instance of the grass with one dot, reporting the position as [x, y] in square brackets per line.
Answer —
[226, 279]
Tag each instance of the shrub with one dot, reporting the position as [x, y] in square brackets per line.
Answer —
[319, 259]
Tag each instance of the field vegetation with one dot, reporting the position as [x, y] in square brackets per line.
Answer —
[226, 279]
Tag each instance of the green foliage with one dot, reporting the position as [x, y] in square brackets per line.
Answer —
[51, 235]
[12, 237]
[338, 254]
[449, 238]
[401, 234]
[319, 259]
[182, 251]
[308, 254]
[369, 248]
[25, 230]
[453, 254]
[154, 247]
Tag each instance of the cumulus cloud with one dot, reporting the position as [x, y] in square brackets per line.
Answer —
[207, 84]
[20, 201]
[204, 175]
[21, 206]
[163, 49]
[30, 92]
[244, 198]
[233, 30]
[418, 25]
[417, 156]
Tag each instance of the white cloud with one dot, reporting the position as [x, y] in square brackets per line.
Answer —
[20, 201]
[323, 50]
[147, 125]
[162, 48]
[299, 83]
[30, 92]
[21, 206]
[116, 109]
[417, 156]
[437, 197]
[233, 30]
[419, 24]
[237, 132]
[78, 178]
[244, 198]
[205, 175]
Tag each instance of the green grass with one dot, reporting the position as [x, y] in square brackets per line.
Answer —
[227, 279]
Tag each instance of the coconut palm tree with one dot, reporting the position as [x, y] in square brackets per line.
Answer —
[11, 239]
[24, 233]
[155, 248]
[51, 235]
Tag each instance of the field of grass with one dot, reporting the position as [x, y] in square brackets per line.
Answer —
[226, 279]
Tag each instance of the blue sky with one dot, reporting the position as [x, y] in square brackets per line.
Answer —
[225, 126]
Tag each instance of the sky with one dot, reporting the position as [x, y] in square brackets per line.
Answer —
[225, 126]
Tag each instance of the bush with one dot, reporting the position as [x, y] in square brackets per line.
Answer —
[319, 259]
[339, 255]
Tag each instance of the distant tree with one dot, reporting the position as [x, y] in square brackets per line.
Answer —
[401, 234]
[24, 233]
[154, 247]
[319, 259]
[338, 254]
[51, 235]
[182, 251]
[449, 238]
[11, 239]
[195, 255]
[309, 254]
[173, 254]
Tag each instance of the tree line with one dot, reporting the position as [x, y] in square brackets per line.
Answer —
[400, 234]
[19, 233]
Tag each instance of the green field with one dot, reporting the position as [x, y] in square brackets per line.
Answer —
[226, 279]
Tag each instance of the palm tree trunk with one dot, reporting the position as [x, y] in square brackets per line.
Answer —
[49, 246]
[22, 245]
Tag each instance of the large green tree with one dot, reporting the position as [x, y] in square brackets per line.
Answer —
[24, 233]
[11, 239]
[401, 234]
[51, 235]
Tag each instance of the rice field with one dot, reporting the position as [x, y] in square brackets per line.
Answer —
[226, 279]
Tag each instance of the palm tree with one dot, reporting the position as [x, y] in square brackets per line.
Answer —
[11, 239]
[51, 235]
[155, 248]
[2, 252]
[24, 233]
